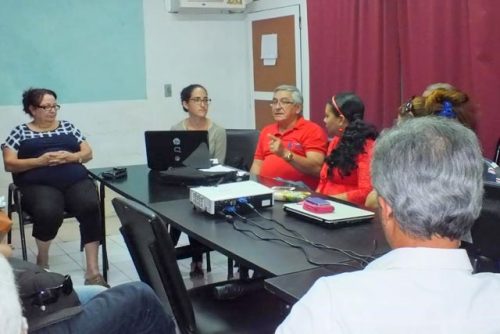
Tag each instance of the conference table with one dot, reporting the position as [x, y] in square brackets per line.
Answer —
[268, 240]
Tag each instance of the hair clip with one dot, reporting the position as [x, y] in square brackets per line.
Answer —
[447, 110]
[408, 108]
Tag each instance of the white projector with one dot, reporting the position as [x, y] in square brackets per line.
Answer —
[215, 199]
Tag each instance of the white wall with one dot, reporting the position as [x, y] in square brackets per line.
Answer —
[180, 49]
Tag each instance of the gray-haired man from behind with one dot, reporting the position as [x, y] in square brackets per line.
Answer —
[428, 174]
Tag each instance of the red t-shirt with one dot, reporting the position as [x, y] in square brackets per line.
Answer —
[357, 185]
[303, 137]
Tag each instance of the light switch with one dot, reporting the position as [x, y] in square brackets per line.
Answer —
[167, 88]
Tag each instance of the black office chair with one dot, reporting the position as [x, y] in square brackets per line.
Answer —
[138, 238]
[486, 233]
[241, 144]
[195, 310]
[15, 204]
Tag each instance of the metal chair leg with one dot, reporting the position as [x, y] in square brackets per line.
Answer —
[23, 238]
[105, 264]
[230, 269]
[209, 265]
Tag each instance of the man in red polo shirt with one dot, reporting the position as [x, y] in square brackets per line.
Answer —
[292, 148]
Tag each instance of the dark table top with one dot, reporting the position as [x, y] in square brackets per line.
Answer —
[273, 257]
[142, 185]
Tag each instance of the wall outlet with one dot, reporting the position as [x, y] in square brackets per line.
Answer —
[167, 89]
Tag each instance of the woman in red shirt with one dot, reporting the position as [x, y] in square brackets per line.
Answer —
[346, 171]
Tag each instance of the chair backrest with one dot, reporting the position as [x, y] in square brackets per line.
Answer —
[163, 252]
[138, 236]
[154, 256]
[241, 144]
[496, 158]
[486, 229]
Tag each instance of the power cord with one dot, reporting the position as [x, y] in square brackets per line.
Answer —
[230, 212]
[365, 259]
[301, 248]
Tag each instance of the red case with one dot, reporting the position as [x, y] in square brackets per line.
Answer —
[318, 208]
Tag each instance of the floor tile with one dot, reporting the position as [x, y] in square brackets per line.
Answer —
[66, 257]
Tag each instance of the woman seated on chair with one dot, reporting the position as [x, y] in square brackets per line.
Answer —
[452, 103]
[443, 100]
[46, 159]
[195, 101]
[346, 172]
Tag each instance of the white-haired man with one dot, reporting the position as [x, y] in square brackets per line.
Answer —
[428, 175]
[292, 148]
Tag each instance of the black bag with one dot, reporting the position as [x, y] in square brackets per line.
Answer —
[47, 297]
[190, 176]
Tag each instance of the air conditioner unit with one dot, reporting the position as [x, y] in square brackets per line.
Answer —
[207, 6]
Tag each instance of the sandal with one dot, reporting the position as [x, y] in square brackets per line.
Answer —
[97, 280]
[196, 270]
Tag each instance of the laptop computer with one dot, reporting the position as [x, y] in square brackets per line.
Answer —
[170, 149]
[342, 215]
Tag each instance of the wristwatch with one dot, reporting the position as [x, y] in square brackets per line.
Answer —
[289, 156]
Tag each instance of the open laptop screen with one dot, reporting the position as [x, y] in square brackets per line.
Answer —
[168, 149]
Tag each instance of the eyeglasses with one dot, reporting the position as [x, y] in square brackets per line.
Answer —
[281, 103]
[199, 100]
[51, 295]
[49, 108]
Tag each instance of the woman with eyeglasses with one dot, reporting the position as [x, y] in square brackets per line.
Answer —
[45, 157]
[195, 102]
[346, 171]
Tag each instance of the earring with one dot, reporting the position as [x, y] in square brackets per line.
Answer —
[341, 129]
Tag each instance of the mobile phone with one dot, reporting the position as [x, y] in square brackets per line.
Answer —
[316, 200]
[115, 173]
[317, 205]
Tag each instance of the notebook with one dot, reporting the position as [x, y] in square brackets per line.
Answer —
[170, 149]
[342, 215]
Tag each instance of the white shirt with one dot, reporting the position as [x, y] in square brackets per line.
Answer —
[408, 290]
[11, 313]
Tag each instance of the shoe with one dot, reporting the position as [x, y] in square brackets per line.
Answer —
[196, 270]
[97, 280]
[46, 267]
[228, 291]
[236, 289]
[42, 264]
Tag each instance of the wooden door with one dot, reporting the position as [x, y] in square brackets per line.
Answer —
[285, 22]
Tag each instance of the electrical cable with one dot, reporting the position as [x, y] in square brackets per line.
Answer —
[352, 254]
[308, 259]
[311, 243]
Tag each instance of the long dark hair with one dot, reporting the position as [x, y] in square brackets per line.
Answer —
[355, 134]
